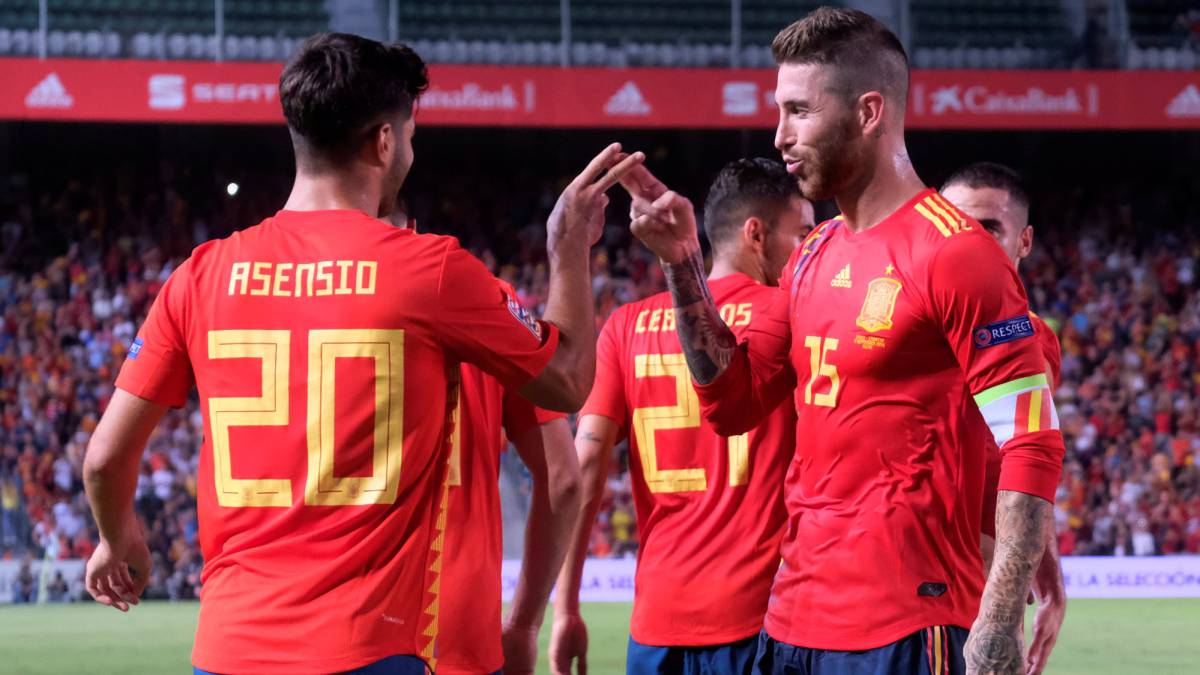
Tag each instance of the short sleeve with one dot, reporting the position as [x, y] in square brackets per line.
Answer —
[519, 415]
[481, 324]
[759, 376]
[157, 367]
[977, 298]
[607, 397]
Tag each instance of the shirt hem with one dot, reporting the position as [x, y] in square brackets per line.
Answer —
[691, 639]
[298, 667]
[869, 641]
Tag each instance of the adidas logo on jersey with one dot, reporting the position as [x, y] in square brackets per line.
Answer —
[49, 93]
[1186, 104]
[628, 101]
[842, 280]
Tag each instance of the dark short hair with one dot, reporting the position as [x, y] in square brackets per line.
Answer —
[746, 187]
[865, 55]
[339, 85]
[991, 175]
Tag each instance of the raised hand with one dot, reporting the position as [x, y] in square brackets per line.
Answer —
[577, 220]
[664, 220]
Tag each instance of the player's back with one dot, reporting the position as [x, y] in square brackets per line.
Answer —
[709, 508]
[322, 345]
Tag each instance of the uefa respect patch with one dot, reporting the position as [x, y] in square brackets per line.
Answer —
[526, 319]
[1009, 330]
[135, 348]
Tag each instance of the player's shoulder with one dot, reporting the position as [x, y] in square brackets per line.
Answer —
[937, 224]
[943, 238]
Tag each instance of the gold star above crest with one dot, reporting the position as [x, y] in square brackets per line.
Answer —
[890, 268]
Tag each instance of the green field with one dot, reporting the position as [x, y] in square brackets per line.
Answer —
[1101, 636]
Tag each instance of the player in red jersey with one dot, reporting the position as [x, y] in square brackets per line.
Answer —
[474, 639]
[995, 196]
[890, 319]
[709, 507]
[325, 346]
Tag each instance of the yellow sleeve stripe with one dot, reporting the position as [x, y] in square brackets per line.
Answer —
[1035, 410]
[960, 223]
[936, 220]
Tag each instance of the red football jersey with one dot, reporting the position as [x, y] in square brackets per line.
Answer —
[884, 336]
[1052, 352]
[469, 642]
[325, 346]
[709, 507]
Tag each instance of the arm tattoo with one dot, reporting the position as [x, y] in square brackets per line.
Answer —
[708, 343]
[1020, 539]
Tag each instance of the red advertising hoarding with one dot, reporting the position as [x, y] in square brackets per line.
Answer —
[247, 93]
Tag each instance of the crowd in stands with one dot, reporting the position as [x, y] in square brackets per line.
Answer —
[1117, 278]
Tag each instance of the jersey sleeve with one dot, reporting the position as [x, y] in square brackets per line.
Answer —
[607, 397]
[483, 325]
[759, 376]
[978, 300]
[157, 367]
[519, 415]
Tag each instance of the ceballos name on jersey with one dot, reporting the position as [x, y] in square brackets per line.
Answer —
[657, 320]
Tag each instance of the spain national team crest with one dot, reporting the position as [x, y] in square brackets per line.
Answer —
[879, 305]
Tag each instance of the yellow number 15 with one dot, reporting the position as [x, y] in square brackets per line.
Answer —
[685, 414]
[322, 487]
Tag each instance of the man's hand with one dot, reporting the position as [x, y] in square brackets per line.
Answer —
[577, 220]
[664, 220]
[568, 643]
[118, 572]
[1051, 597]
[520, 648]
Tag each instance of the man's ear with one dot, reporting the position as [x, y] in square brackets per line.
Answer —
[754, 232]
[870, 113]
[383, 144]
[1025, 245]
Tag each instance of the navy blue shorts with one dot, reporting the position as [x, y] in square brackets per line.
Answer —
[735, 658]
[400, 664]
[937, 650]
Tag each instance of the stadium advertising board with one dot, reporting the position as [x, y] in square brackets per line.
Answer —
[611, 580]
[197, 92]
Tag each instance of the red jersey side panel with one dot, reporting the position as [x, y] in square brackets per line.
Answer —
[471, 605]
[325, 348]
[709, 507]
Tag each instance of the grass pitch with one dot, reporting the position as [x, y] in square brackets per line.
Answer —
[1100, 637]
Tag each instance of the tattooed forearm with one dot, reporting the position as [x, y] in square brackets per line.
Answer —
[708, 343]
[994, 645]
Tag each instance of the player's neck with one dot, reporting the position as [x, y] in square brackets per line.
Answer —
[724, 266]
[880, 191]
[326, 192]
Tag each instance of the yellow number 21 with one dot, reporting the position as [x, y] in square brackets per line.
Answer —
[322, 487]
[685, 414]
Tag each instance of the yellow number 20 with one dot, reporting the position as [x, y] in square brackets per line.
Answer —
[685, 414]
[322, 487]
